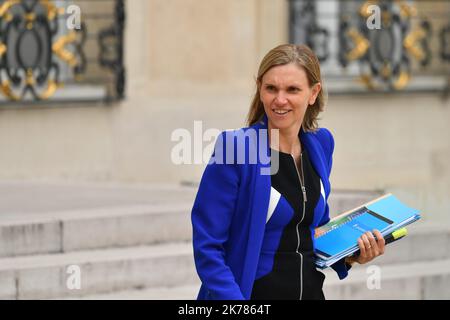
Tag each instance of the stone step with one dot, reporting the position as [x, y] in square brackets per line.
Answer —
[187, 292]
[39, 217]
[118, 226]
[420, 280]
[425, 241]
[343, 200]
[101, 271]
[68, 231]
[171, 265]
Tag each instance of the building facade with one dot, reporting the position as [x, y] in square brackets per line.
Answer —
[181, 61]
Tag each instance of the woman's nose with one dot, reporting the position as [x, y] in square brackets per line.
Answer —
[280, 99]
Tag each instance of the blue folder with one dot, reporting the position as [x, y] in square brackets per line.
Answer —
[339, 239]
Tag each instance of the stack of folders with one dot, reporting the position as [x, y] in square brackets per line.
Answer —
[339, 238]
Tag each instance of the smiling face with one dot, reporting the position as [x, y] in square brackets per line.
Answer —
[286, 94]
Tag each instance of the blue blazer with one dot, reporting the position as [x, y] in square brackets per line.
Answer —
[230, 210]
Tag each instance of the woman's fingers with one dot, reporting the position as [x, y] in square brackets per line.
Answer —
[370, 245]
[380, 241]
[373, 244]
[367, 247]
[362, 248]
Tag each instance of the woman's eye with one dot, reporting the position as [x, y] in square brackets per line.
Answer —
[293, 89]
[270, 88]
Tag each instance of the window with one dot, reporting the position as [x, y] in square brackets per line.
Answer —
[61, 51]
[407, 51]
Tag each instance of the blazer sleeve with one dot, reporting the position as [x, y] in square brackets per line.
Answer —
[340, 266]
[211, 219]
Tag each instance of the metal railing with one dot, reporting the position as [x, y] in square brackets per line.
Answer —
[376, 46]
[61, 51]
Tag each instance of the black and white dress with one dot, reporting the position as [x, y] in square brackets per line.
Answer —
[286, 268]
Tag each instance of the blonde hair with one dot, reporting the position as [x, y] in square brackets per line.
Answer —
[305, 58]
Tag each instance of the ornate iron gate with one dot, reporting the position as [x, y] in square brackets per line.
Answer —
[61, 51]
[409, 50]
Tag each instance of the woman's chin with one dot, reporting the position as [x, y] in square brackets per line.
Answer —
[280, 124]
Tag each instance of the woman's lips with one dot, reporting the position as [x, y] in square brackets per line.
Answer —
[280, 112]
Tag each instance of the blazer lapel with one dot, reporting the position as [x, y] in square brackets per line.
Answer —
[316, 156]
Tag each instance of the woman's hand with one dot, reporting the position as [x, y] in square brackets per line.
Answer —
[369, 247]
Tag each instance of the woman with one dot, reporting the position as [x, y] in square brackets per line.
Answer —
[253, 232]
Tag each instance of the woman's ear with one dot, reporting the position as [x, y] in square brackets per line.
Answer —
[315, 92]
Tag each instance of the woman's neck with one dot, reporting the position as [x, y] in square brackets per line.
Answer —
[288, 140]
